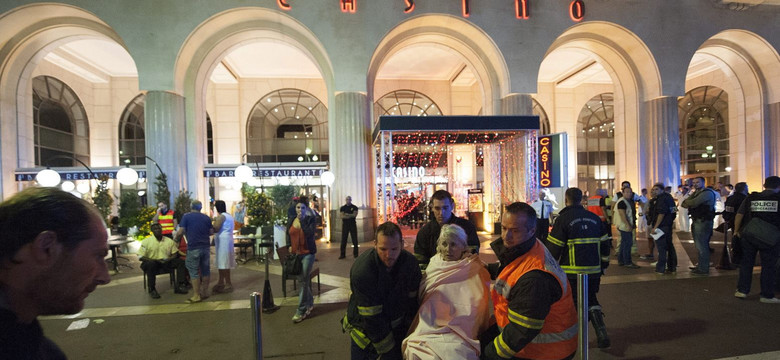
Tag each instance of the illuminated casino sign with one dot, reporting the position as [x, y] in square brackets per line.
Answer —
[576, 7]
[552, 150]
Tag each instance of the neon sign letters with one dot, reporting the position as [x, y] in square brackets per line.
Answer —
[522, 12]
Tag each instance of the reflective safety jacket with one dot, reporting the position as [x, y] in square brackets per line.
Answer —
[580, 240]
[594, 206]
[557, 332]
[383, 303]
[166, 221]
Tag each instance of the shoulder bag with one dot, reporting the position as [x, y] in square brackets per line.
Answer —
[293, 264]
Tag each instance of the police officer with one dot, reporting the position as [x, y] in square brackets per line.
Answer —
[729, 214]
[762, 206]
[384, 283]
[586, 234]
[701, 208]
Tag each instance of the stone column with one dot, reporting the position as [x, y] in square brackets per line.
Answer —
[166, 142]
[772, 140]
[659, 144]
[351, 162]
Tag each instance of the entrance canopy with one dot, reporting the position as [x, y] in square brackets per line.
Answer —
[421, 154]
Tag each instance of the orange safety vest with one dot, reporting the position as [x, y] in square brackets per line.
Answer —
[166, 221]
[594, 207]
[558, 336]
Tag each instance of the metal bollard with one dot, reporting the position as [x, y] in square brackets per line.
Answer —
[256, 302]
[582, 316]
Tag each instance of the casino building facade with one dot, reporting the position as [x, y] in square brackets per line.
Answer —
[646, 91]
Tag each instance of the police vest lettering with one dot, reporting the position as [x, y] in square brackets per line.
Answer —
[763, 206]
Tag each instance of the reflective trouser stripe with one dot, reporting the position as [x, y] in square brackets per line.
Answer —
[581, 269]
[385, 344]
[546, 338]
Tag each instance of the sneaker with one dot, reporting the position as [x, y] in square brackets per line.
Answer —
[697, 272]
[740, 295]
[342, 257]
[670, 271]
[154, 294]
[299, 317]
[693, 267]
[647, 257]
[632, 266]
[659, 273]
[773, 300]
[654, 263]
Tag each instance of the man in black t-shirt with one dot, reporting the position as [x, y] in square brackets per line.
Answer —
[661, 217]
[348, 214]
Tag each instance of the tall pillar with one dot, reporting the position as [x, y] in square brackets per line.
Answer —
[350, 161]
[659, 143]
[772, 140]
[166, 140]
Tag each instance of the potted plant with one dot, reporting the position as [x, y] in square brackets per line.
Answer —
[103, 199]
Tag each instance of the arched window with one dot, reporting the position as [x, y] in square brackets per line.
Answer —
[405, 102]
[704, 133]
[132, 143]
[596, 144]
[544, 121]
[288, 125]
[59, 123]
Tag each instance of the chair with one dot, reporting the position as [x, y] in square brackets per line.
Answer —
[171, 272]
[315, 270]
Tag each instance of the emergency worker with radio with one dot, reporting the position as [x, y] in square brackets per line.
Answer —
[532, 298]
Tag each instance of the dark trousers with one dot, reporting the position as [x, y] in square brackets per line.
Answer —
[768, 262]
[667, 255]
[542, 228]
[152, 268]
[349, 229]
[594, 282]
[369, 353]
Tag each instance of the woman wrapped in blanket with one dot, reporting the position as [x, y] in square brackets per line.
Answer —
[454, 303]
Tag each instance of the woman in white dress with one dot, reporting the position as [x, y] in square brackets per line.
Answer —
[455, 306]
[226, 255]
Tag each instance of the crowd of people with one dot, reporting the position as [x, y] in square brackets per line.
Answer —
[433, 304]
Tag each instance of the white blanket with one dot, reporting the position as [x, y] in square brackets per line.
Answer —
[454, 310]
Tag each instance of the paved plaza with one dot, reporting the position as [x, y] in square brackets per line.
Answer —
[648, 316]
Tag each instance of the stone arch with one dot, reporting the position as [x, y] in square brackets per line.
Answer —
[27, 34]
[214, 38]
[462, 36]
[636, 79]
[753, 66]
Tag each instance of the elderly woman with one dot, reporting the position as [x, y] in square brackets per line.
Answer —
[454, 307]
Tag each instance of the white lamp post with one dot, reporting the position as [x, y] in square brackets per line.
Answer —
[48, 178]
[127, 176]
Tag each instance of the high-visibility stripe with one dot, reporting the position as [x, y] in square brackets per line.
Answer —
[546, 338]
[582, 241]
[555, 241]
[525, 321]
[385, 344]
[572, 254]
[502, 288]
[606, 237]
[502, 349]
[359, 338]
[369, 310]
[571, 269]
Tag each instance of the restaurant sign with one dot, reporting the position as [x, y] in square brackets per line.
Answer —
[280, 172]
[76, 175]
[552, 150]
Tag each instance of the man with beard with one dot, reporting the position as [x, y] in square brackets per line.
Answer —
[701, 206]
[52, 250]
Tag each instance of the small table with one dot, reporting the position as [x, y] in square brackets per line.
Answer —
[114, 242]
[239, 241]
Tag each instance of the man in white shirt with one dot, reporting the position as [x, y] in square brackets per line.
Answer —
[543, 210]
